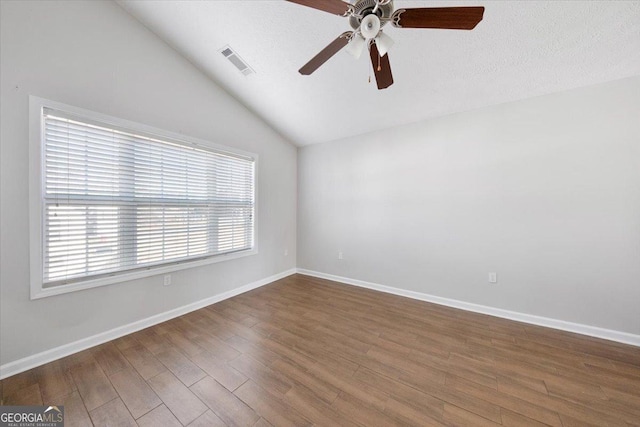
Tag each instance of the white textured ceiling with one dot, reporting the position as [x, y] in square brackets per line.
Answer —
[521, 49]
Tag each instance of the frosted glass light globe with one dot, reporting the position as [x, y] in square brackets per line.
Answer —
[370, 26]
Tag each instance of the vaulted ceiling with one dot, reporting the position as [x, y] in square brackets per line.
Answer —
[521, 49]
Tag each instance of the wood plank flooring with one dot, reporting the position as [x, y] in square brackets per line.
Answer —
[304, 351]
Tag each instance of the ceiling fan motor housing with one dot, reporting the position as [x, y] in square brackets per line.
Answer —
[365, 7]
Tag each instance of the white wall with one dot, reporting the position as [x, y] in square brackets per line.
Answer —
[545, 192]
[93, 55]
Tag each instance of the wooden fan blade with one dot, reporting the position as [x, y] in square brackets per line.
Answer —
[337, 7]
[381, 67]
[325, 54]
[452, 18]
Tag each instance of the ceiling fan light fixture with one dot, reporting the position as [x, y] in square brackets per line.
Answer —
[384, 43]
[367, 17]
[370, 26]
[356, 46]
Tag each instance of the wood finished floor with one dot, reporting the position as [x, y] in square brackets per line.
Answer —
[305, 351]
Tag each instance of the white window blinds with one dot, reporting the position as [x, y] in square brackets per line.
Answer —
[115, 201]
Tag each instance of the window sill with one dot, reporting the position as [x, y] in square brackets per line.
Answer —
[37, 291]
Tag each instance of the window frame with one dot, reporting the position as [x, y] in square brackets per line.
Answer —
[36, 199]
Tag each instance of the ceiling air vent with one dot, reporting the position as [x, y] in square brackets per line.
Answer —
[236, 61]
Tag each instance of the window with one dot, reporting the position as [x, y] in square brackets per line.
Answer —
[118, 201]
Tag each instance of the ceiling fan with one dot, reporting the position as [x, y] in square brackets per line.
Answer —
[367, 17]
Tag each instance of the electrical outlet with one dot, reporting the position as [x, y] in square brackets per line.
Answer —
[340, 255]
[493, 277]
[286, 252]
[167, 279]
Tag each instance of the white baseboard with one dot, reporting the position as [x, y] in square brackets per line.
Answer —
[47, 356]
[607, 334]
